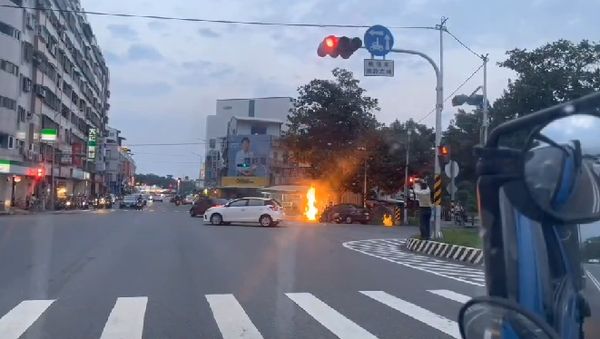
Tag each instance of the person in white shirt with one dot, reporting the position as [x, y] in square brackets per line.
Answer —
[423, 196]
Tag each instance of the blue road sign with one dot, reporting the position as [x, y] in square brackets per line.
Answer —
[379, 40]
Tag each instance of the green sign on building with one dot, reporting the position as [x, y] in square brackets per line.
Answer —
[48, 134]
[92, 143]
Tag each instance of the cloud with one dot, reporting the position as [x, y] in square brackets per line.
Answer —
[208, 33]
[124, 32]
[144, 89]
[140, 52]
[157, 25]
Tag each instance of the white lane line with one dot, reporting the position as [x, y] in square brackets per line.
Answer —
[593, 279]
[461, 298]
[231, 319]
[416, 312]
[126, 320]
[14, 323]
[415, 266]
[338, 324]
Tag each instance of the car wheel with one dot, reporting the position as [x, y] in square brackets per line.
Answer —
[216, 219]
[265, 220]
[348, 220]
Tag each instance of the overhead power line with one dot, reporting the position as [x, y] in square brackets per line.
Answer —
[454, 92]
[481, 56]
[213, 21]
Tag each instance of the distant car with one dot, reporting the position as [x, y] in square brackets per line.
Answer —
[129, 201]
[188, 200]
[204, 203]
[264, 211]
[156, 197]
[346, 213]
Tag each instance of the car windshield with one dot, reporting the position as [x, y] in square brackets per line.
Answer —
[273, 169]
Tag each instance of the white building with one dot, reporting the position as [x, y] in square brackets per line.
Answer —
[276, 108]
[52, 76]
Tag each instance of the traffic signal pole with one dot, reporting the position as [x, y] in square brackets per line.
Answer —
[439, 104]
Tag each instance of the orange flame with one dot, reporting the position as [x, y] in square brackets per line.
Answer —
[311, 210]
[387, 220]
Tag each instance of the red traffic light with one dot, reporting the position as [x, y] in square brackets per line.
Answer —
[444, 150]
[411, 179]
[331, 41]
[334, 46]
[41, 172]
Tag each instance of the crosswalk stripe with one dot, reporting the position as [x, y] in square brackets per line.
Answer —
[416, 312]
[338, 324]
[126, 320]
[14, 323]
[461, 298]
[231, 319]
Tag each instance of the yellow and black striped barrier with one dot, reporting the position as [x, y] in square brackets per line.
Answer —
[437, 191]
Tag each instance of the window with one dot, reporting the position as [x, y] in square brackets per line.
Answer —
[27, 84]
[8, 103]
[27, 51]
[9, 67]
[258, 130]
[239, 203]
[11, 142]
[10, 30]
[22, 114]
[256, 202]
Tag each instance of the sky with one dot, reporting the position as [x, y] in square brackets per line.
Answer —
[167, 75]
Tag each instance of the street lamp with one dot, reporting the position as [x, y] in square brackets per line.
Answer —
[408, 133]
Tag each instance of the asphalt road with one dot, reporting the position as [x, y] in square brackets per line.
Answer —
[158, 273]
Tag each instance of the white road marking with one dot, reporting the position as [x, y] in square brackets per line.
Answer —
[461, 298]
[14, 323]
[338, 324]
[593, 279]
[416, 312]
[408, 260]
[126, 320]
[231, 319]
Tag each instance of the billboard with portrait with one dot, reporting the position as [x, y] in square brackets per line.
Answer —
[248, 155]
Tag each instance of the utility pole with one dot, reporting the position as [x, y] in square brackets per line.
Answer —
[437, 233]
[485, 122]
[409, 131]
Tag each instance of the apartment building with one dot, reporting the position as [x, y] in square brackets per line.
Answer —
[217, 125]
[52, 77]
[120, 167]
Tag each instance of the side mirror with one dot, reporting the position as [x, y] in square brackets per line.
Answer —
[562, 168]
[492, 317]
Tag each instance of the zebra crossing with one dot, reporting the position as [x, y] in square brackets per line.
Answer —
[127, 316]
[392, 250]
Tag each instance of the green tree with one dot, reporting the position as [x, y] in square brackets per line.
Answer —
[328, 123]
[552, 74]
[462, 136]
[388, 154]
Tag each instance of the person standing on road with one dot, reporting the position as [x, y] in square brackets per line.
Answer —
[423, 196]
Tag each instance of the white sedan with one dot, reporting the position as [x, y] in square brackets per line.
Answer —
[266, 212]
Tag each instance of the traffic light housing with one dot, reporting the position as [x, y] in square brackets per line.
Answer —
[443, 154]
[473, 100]
[342, 46]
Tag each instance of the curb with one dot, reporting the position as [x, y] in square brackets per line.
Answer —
[439, 249]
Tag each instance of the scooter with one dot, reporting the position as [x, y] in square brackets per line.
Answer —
[536, 189]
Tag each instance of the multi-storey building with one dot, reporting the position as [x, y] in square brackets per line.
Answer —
[52, 76]
[120, 167]
[217, 128]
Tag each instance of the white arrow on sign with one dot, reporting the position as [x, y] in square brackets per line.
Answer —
[387, 42]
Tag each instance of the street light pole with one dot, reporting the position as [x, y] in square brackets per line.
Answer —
[406, 178]
[365, 187]
[439, 104]
[485, 122]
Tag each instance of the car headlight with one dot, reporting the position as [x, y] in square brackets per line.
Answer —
[68, 203]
